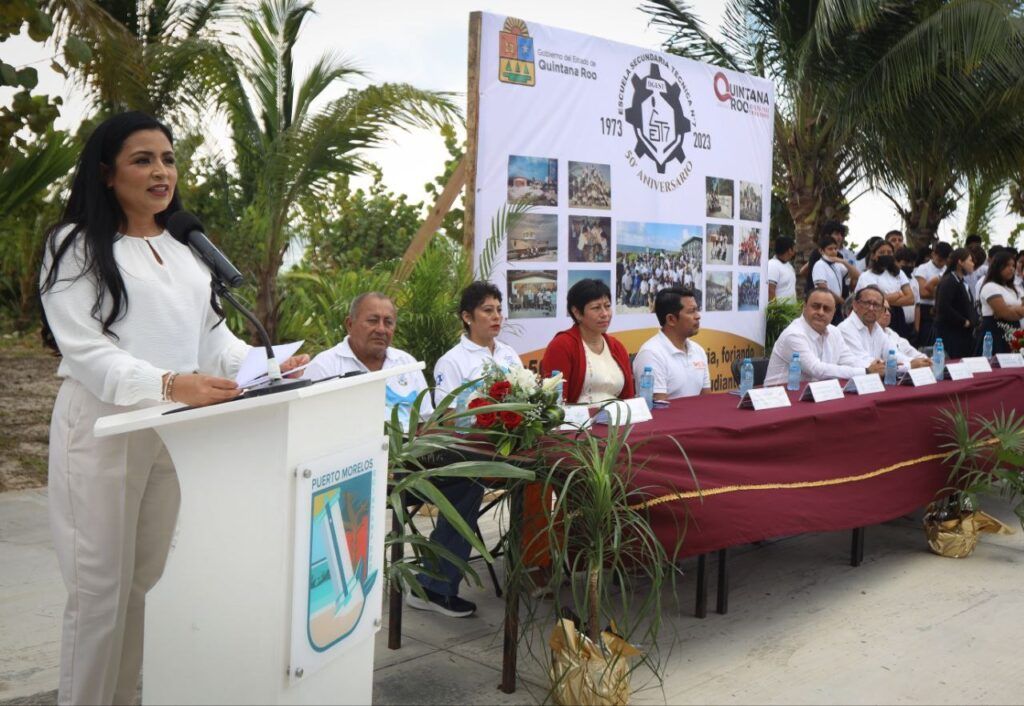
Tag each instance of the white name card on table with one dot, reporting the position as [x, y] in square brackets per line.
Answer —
[866, 384]
[977, 364]
[918, 377]
[822, 391]
[765, 398]
[629, 411]
[1010, 360]
[577, 416]
[958, 371]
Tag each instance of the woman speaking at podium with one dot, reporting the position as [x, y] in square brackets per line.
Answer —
[131, 312]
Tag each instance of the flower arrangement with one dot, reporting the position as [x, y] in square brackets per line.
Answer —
[1014, 337]
[516, 406]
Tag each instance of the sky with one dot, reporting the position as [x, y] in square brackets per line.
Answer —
[425, 44]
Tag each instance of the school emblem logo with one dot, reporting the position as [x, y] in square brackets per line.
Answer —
[657, 118]
[515, 54]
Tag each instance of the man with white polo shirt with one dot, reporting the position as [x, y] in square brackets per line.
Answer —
[680, 366]
[928, 275]
[823, 352]
[865, 338]
[781, 276]
[367, 348]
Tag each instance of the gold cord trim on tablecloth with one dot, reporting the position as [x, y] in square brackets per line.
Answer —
[791, 486]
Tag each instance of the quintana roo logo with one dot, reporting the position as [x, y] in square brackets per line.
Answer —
[656, 115]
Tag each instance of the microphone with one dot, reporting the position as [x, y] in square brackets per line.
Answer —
[187, 229]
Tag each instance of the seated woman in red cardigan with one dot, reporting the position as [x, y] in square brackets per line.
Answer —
[595, 366]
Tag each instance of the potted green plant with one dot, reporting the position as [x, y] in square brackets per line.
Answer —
[985, 456]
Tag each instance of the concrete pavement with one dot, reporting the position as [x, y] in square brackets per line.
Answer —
[804, 627]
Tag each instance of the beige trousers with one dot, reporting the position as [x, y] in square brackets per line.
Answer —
[113, 505]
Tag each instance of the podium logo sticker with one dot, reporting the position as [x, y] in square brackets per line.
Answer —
[655, 102]
[515, 54]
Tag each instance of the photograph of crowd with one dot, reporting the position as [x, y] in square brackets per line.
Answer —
[748, 291]
[750, 247]
[719, 291]
[590, 185]
[719, 244]
[719, 196]
[576, 275]
[590, 239]
[750, 201]
[532, 294]
[532, 180]
[533, 237]
[650, 257]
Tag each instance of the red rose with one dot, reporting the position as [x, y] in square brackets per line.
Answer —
[500, 390]
[487, 419]
[510, 419]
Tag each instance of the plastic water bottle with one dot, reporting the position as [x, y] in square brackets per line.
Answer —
[461, 405]
[793, 381]
[647, 386]
[560, 400]
[746, 376]
[938, 359]
[986, 345]
[890, 368]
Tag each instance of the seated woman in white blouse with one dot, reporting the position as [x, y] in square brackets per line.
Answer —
[895, 285]
[1000, 302]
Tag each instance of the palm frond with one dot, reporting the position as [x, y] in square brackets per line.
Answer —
[46, 160]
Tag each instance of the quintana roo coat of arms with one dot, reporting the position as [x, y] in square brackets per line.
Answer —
[515, 54]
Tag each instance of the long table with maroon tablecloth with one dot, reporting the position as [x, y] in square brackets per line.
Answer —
[811, 467]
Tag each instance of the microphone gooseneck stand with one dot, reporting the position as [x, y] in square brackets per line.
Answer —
[277, 382]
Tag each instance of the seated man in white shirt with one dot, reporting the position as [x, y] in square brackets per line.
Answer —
[865, 338]
[898, 343]
[367, 348]
[680, 366]
[823, 352]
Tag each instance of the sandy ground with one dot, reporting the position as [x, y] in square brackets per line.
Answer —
[27, 390]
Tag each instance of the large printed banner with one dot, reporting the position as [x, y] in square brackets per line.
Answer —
[642, 169]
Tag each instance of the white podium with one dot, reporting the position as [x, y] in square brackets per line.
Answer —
[226, 624]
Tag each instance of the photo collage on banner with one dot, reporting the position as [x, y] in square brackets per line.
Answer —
[637, 168]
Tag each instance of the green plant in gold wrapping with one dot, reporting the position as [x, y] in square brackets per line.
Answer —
[985, 456]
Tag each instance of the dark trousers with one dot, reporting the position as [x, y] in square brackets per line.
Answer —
[926, 337]
[465, 494]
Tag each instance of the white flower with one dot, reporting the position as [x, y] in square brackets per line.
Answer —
[523, 378]
[552, 383]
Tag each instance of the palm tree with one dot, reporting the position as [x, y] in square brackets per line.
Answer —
[840, 68]
[148, 55]
[285, 148]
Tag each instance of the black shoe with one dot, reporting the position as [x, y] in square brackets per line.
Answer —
[452, 606]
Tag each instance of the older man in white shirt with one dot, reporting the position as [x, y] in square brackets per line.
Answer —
[865, 338]
[680, 366]
[823, 352]
[367, 348]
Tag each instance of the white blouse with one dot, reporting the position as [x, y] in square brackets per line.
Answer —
[168, 326]
[991, 289]
[604, 379]
[887, 282]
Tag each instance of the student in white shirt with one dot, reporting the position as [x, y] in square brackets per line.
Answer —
[865, 338]
[1000, 301]
[130, 311]
[893, 283]
[480, 311]
[371, 323]
[928, 275]
[833, 273]
[679, 364]
[823, 352]
[781, 276]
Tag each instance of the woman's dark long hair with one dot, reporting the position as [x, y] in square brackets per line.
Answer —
[999, 263]
[95, 215]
